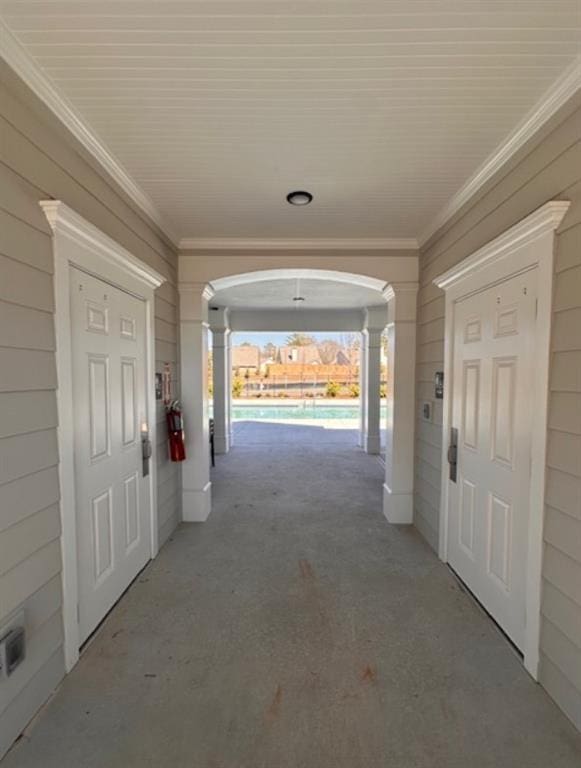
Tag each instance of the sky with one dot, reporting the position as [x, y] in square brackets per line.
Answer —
[278, 339]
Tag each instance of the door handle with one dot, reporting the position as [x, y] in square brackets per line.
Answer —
[146, 451]
[453, 454]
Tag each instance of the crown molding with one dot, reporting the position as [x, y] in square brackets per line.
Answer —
[64, 220]
[297, 243]
[545, 219]
[563, 89]
[18, 58]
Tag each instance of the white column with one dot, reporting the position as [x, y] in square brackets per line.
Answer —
[221, 379]
[363, 390]
[229, 377]
[375, 322]
[399, 450]
[196, 485]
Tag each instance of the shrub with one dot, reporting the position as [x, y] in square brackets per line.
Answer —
[354, 390]
[333, 389]
[237, 386]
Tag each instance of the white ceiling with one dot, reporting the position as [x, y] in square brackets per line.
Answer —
[218, 108]
[279, 294]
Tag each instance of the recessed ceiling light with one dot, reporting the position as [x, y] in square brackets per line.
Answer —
[298, 298]
[299, 197]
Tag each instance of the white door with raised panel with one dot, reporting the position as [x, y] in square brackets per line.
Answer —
[108, 330]
[488, 515]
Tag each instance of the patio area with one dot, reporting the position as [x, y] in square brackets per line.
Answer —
[297, 628]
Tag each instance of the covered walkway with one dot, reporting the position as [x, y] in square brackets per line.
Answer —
[297, 629]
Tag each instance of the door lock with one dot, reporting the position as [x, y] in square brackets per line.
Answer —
[453, 454]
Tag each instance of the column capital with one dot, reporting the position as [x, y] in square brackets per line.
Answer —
[194, 298]
[393, 290]
[375, 319]
[219, 319]
[401, 302]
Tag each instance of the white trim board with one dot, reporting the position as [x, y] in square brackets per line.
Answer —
[78, 243]
[18, 58]
[528, 244]
[298, 243]
[563, 89]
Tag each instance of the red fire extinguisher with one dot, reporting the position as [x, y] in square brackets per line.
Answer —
[175, 432]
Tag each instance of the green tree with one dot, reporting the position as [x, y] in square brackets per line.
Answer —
[237, 386]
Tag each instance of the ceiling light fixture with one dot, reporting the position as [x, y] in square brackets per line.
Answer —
[298, 298]
[299, 197]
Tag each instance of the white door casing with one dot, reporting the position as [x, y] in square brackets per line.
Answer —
[110, 407]
[78, 243]
[526, 247]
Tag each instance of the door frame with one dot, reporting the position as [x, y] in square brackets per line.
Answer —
[78, 243]
[527, 245]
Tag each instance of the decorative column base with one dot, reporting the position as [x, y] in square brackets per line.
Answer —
[372, 444]
[221, 443]
[196, 504]
[398, 508]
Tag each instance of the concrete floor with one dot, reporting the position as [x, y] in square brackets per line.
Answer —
[297, 629]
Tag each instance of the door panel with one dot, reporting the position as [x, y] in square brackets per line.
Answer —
[492, 408]
[109, 392]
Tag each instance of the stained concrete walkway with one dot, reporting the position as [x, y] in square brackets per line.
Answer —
[297, 629]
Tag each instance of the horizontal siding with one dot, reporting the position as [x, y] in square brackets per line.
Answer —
[38, 161]
[551, 169]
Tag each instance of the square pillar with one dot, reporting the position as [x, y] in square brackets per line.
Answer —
[221, 379]
[399, 450]
[196, 485]
[363, 390]
[375, 321]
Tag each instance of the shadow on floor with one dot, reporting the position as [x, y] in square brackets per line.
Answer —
[297, 629]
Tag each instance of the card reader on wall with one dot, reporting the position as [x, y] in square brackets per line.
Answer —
[12, 651]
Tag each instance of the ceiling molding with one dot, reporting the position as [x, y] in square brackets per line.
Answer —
[563, 89]
[12, 51]
[297, 243]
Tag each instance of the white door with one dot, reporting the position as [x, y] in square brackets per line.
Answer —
[488, 516]
[109, 390]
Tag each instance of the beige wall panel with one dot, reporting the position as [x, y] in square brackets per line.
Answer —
[567, 330]
[562, 652]
[23, 580]
[565, 411]
[40, 647]
[564, 452]
[566, 371]
[21, 284]
[569, 251]
[563, 572]
[24, 243]
[563, 532]
[26, 369]
[25, 454]
[165, 310]
[25, 328]
[562, 612]
[20, 541]
[567, 287]
[563, 690]
[22, 412]
[28, 495]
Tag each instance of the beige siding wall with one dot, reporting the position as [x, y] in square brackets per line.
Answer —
[37, 162]
[549, 170]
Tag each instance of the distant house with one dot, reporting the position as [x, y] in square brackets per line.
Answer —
[246, 358]
[306, 355]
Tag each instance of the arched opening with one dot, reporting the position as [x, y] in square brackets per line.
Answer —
[291, 399]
